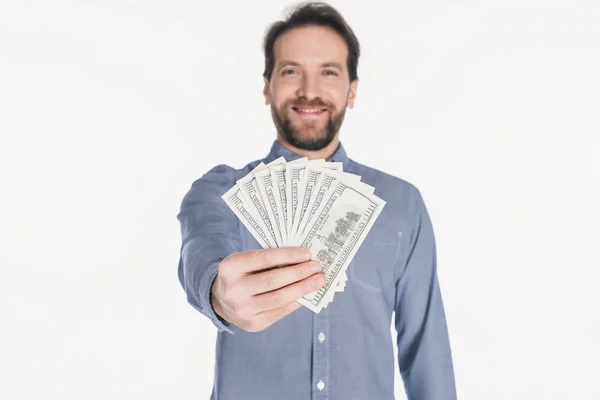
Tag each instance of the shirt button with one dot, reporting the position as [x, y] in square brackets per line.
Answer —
[321, 385]
[321, 337]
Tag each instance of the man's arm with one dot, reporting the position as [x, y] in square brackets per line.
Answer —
[209, 233]
[424, 355]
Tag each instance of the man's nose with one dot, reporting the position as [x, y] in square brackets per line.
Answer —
[308, 88]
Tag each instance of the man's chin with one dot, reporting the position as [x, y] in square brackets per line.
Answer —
[310, 143]
[311, 136]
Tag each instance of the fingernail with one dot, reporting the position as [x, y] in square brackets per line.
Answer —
[320, 279]
[316, 267]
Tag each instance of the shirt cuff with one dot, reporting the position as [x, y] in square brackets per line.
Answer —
[205, 296]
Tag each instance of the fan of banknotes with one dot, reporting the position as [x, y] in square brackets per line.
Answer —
[308, 203]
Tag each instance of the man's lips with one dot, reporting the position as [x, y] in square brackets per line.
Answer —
[310, 111]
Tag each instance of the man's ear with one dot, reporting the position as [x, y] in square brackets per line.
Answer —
[352, 93]
[266, 92]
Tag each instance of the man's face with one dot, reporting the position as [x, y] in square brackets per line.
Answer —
[309, 88]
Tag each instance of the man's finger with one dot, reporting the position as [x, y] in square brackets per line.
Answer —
[267, 318]
[274, 279]
[281, 297]
[255, 260]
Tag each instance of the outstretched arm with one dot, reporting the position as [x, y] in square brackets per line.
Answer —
[209, 233]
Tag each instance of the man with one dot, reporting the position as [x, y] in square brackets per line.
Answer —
[268, 346]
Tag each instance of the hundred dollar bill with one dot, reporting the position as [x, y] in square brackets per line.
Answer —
[251, 194]
[327, 179]
[367, 188]
[306, 188]
[237, 204]
[292, 181]
[341, 283]
[308, 179]
[337, 230]
[278, 180]
[307, 183]
[297, 160]
[268, 191]
[278, 177]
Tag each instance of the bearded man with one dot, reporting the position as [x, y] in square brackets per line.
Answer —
[268, 346]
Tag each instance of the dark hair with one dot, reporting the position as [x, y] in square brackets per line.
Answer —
[312, 14]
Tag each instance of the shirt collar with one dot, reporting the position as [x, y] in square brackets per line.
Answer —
[277, 150]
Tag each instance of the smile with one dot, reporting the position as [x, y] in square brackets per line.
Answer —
[309, 112]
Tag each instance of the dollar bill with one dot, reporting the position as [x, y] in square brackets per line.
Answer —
[279, 178]
[251, 194]
[338, 229]
[327, 179]
[278, 181]
[306, 189]
[270, 197]
[238, 204]
[309, 203]
[292, 181]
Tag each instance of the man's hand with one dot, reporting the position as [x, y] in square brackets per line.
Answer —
[253, 299]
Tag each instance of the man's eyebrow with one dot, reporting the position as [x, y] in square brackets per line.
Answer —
[332, 64]
[284, 63]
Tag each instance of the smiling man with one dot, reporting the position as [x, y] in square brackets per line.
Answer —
[309, 87]
[268, 347]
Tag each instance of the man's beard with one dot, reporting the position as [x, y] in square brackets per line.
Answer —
[293, 136]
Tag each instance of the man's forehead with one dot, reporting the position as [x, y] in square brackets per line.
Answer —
[311, 45]
[326, 64]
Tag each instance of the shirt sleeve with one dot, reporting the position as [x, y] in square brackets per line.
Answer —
[209, 233]
[424, 354]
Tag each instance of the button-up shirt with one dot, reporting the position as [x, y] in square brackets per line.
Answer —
[344, 352]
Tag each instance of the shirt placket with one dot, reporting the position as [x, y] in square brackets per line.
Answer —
[321, 354]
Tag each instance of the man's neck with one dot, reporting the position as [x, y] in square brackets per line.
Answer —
[325, 153]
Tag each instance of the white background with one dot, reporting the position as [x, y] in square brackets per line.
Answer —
[109, 110]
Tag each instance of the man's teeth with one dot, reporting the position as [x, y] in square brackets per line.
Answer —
[309, 110]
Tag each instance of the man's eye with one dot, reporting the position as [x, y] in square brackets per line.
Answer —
[332, 72]
[285, 72]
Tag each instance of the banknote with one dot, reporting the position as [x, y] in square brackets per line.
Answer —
[278, 181]
[240, 207]
[268, 193]
[326, 179]
[249, 191]
[303, 175]
[337, 230]
[278, 176]
[293, 175]
[308, 203]
[306, 189]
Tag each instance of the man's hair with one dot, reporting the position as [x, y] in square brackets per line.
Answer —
[312, 14]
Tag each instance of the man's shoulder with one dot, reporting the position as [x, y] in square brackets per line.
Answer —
[214, 183]
[403, 198]
[383, 181]
[225, 174]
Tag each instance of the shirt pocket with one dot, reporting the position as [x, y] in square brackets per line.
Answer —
[372, 267]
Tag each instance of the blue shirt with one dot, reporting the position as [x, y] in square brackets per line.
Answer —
[345, 352]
